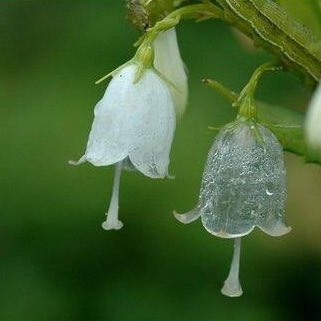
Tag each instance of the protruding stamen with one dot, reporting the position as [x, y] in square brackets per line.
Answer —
[112, 222]
[232, 286]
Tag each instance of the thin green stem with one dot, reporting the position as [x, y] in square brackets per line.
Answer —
[246, 100]
[196, 11]
[230, 95]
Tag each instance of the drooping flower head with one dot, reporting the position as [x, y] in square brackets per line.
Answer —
[244, 182]
[243, 186]
[135, 120]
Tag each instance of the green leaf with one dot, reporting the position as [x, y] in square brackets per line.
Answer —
[287, 125]
[307, 12]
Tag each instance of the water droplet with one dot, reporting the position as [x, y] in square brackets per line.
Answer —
[268, 192]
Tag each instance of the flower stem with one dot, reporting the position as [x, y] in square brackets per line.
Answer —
[232, 286]
[246, 100]
[112, 222]
[201, 11]
[230, 95]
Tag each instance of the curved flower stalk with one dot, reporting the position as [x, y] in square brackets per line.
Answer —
[243, 185]
[313, 122]
[134, 125]
[170, 64]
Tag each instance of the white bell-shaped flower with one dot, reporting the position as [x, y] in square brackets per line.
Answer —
[133, 127]
[243, 186]
[170, 64]
[313, 122]
[244, 183]
[135, 121]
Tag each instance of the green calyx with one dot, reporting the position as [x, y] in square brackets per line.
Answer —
[286, 124]
[144, 59]
[144, 56]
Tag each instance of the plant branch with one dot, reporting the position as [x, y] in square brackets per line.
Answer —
[273, 29]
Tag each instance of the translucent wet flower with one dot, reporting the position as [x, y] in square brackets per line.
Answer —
[313, 121]
[133, 126]
[243, 186]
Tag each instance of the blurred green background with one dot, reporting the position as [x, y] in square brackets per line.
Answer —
[56, 262]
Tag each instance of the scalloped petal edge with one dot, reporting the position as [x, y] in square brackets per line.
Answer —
[188, 217]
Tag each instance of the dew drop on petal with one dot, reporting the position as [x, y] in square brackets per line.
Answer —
[268, 192]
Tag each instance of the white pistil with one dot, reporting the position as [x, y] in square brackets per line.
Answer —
[112, 222]
[232, 286]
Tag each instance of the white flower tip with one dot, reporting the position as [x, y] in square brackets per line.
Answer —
[114, 225]
[187, 217]
[73, 163]
[232, 288]
[79, 162]
[278, 230]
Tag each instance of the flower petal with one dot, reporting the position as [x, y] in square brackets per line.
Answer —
[169, 63]
[109, 137]
[274, 226]
[151, 126]
[128, 165]
[244, 183]
[188, 217]
[222, 196]
[135, 120]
